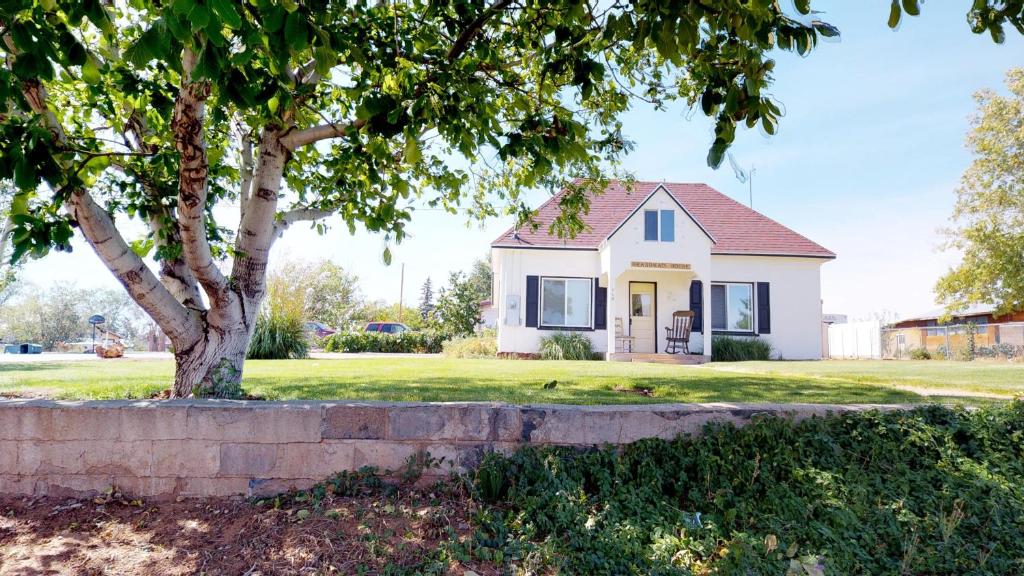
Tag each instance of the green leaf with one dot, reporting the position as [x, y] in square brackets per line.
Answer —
[24, 174]
[803, 6]
[142, 247]
[894, 14]
[413, 154]
[272, 104]
[295, 32]
[200, 17]
[91, 70]
[387, 256]
[225, 10]
[912, 7]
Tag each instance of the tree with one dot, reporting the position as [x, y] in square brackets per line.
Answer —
[426, 299]
[480, 278]
[332, 294]
[988, 218]
[458, 307]
[293, 111]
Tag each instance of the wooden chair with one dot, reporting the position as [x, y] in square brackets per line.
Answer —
[678, 334]
[622, 342]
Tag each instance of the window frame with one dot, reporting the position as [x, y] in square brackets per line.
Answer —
[541, 325]
[662, 228]
[753, 310]
[657, 225]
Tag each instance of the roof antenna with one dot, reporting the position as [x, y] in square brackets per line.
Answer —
[744, 176]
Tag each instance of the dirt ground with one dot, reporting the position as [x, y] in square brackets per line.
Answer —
[113, 535]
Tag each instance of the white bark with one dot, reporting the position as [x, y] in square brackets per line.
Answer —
[299, 138]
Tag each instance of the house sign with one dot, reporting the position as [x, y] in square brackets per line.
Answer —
[660, 265]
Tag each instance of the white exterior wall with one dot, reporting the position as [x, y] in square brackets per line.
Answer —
[795, 295]
[691, 246]
[512, 266]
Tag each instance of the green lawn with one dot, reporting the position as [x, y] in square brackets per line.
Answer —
[521, 381]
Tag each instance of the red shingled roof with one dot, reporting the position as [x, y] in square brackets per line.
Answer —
[734, 228]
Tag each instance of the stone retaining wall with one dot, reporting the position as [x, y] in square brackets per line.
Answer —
[218, 448]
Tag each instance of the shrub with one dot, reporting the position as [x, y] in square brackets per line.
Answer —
[725, 349]
[471, 347]
[278, 337]
[424, 342]
[566, 346]
[929, 491]
[920, 354]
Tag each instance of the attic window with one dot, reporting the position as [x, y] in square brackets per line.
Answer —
[660, 225]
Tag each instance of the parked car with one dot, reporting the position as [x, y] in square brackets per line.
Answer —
[318, 329]
[386, 327]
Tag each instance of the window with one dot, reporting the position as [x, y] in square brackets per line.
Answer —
[665, 219]
[732, 307]
[566, 302]
[668, 226]
[651, 225]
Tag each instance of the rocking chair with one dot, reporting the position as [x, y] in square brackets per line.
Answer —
[678, 334]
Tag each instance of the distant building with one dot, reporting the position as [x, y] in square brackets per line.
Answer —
[834, 318]
[976, 314]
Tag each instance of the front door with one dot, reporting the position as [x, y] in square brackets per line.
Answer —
[641, 316]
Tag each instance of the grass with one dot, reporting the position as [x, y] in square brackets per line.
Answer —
[522, 381]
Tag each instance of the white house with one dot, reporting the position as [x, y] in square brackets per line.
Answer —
[648, 252]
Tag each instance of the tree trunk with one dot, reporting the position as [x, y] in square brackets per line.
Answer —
[212, 366]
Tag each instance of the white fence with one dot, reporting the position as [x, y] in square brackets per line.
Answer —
[855, 340]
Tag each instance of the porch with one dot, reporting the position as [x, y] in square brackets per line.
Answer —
[662, 358]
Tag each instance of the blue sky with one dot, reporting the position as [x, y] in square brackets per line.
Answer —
[865, 162]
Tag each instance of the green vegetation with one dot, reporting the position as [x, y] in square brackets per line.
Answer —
[278, 337]
[522, 381]
[420, 342]
[724, 349]
[931, 491]
[482, 346]
[566, 346]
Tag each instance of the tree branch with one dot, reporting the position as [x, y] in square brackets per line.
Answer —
[467, 35]
[299, 138]
[101, 233]
[286, 219]
[189, 140]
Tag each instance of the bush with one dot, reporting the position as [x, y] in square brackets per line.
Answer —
[566, 346]
[471, 347]
[725, 349]
[278, 337]
[920, 354]
[424, 342]
[929, 491]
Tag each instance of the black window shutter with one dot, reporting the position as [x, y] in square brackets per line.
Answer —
[600, 307]
[532, 300]
[697, 305]
[764, 309]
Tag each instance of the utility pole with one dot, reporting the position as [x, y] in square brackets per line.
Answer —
[401, 292]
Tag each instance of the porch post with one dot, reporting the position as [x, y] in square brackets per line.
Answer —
[706, 325]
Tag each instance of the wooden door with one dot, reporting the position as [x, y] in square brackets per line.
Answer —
[641, 316]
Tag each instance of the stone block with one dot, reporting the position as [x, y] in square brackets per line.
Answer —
[272, 486]
[247, 460]
[308, 460]
[204, 487]
[441, 422]
[383, 454]
[99, 421]
[14, 485]
[20, 421]
[8, 457]
[348, 422]
[154, 422]
[71, 486]
[266, 424]
[89, 457]
[185, 458]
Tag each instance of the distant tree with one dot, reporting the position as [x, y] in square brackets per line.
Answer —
[332, 296]
[458, 307]
[988, 219]
[480, 278]
[426, 299]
